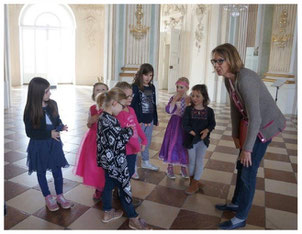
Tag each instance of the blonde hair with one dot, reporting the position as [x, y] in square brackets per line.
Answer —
[114, 94]
[183, 79]
[123, 85]
[231, 55]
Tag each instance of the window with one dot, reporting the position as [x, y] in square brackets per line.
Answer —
[47, 43]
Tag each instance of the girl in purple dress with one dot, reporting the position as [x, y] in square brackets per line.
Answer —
[172, 150]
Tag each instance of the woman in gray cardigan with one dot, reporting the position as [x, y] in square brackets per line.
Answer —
[250, 100]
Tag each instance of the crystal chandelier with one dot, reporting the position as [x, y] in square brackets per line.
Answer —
[235, 9]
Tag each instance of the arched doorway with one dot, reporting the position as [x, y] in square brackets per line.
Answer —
[47, 43]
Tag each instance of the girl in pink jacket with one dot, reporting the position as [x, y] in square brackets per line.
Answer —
[127, 118]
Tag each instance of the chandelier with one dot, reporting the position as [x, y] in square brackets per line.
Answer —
[235, 9]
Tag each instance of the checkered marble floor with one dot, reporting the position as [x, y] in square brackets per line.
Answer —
[165, 205]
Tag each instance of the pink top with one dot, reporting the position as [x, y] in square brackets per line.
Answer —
[128, 119]
[94, 111]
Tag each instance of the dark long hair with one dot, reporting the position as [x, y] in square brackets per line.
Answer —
[204, 92]
[33, 108]
[144, 69]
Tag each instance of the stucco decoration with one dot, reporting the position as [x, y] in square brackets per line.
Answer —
[173, 15]
[91, 30]
[89, 15]
[199, 32]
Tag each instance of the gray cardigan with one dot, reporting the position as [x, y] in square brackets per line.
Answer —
[263, 114]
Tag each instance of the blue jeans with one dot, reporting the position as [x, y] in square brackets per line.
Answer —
[246, 180]
[58, 181]
[148, 132]
[131, 161]
[107, 196]
[196, 156]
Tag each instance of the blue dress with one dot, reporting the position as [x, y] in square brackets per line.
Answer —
[45, 154]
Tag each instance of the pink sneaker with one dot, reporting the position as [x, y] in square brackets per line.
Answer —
[97, 195]
[170, 172]
[51, 203]
[135, 175]
[183, 172]
[65, 204]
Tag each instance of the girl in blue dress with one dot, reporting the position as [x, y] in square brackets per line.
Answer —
[45, 151]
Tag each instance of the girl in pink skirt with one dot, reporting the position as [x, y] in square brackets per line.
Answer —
[86, 166]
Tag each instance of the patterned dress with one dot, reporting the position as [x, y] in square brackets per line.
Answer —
[172, 150]
[111, 151]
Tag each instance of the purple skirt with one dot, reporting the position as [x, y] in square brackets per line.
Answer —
[172, 150]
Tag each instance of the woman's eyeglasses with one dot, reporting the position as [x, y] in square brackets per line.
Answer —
[218, 61]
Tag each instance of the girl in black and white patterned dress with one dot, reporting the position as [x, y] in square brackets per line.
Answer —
[111, 156]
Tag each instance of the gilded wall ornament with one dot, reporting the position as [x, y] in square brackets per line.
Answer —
[139, 30]
[281, 39]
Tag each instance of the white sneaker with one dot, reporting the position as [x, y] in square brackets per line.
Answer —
[148, 165]
[135, 176]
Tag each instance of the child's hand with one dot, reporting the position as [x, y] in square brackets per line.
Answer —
[188, 100]
[177, 97]
[65, 128]
[93, 119]
[192, 133]
[204, 133]
[55, 135]
[143, 148]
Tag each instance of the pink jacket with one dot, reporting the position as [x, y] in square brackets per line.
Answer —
[128, 119]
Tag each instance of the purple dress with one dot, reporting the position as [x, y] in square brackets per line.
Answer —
[172, 150]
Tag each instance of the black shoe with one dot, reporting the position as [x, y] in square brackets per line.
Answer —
[228, 225]
[136, 202]
[226, 207]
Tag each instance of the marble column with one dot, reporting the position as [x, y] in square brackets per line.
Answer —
[282, 62]
[7, 95]
[242, 33]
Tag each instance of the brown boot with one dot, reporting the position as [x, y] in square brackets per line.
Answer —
[194, 187]
[200, 185]
[191, 178]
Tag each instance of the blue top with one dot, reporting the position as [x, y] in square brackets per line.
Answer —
[198, 120]
[43, 132]
[144, 104]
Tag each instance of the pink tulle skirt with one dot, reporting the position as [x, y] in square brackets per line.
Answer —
[86, 165]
